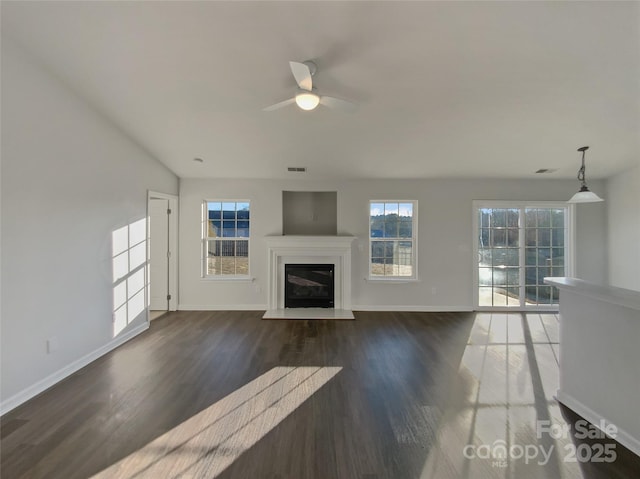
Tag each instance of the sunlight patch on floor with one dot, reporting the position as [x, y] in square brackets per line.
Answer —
[506, 383]
[207, 443]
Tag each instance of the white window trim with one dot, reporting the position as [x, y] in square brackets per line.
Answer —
[569, 243]
[204, 239]
[414, 246]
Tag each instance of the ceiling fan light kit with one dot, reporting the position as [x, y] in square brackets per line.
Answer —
[307, 99]
[584, 195]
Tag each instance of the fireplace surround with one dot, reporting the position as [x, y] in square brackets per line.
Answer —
[316, 250]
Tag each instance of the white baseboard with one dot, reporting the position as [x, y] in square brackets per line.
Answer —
[358, 307]
[44, 384]
[222, 307]
[418, 309]
[622, 436]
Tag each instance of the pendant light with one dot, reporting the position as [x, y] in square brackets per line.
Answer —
[584, 195]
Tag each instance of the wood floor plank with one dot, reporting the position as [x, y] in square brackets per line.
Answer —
[225, 394]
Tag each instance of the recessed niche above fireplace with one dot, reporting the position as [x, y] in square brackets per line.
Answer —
[310, 213]
[308, 286]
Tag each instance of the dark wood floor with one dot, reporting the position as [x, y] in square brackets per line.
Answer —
[390, 395]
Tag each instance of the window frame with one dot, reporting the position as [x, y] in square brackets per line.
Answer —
[205, 238]
[569, 247]
[414, 245]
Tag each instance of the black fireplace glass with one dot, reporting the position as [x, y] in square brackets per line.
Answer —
[309, 286]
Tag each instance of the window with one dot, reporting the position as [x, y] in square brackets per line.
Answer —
[392, 239]
[518, 245]
[225, 238]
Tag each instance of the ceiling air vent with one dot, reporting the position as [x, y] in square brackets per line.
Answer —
[296, 168]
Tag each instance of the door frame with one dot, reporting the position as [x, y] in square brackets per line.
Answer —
[173, 246]
[570, 246]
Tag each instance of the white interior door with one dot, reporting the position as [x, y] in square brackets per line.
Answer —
[159, 253]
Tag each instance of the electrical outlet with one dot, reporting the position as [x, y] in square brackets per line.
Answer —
[434, 290]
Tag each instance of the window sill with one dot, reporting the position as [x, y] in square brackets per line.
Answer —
[230, 278]
[391, 279]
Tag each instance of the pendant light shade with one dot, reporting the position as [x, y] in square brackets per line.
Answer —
[584, 195]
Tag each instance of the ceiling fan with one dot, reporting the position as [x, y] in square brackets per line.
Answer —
[307, 97]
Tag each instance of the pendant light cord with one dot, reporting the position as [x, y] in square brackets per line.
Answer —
[581, 174]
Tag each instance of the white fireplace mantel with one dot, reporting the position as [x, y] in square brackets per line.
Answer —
[334, 250]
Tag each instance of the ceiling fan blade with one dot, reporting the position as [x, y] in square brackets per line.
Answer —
[302, 75]
[279, 105]
[337, 103]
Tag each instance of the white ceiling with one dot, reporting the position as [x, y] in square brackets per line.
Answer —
[445, 89]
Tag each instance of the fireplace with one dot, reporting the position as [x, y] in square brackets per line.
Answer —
[333, 251]
[309, 286]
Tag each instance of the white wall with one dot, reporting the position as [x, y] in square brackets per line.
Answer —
[69, 179]
[445, 237]
[623, 216]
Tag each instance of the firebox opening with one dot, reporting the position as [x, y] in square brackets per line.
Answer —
[309, 286]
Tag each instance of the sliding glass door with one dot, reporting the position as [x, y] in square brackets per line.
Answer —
[517, 245]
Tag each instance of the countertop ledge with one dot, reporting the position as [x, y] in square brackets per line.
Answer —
[611, 294]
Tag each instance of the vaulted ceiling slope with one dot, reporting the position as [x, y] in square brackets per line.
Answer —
[444, 89]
